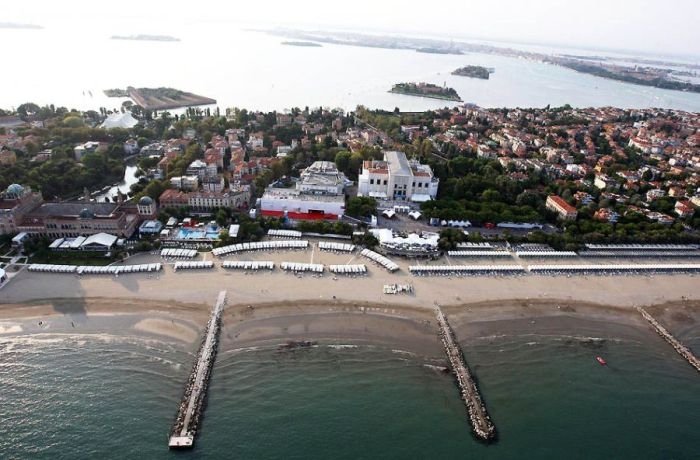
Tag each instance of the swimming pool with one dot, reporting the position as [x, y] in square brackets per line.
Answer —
[207, 233]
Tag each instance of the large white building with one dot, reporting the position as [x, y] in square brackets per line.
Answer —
[397, 179]
[317, 195]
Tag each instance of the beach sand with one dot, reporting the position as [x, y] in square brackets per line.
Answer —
[285, 306]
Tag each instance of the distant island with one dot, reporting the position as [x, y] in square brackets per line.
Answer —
[638, 75]
[633, 73]
[149, 38]
[116, 92]
[439, 50]
[309, 44]
[473, 71]
[17, 25]
[426, 90]
[160, 98]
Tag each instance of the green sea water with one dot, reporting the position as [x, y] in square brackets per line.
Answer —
[114, 397]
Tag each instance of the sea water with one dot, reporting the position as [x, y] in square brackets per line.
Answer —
[71, 396]
[254, 70]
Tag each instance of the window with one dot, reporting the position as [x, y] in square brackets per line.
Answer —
[384, 181]
[371, 181]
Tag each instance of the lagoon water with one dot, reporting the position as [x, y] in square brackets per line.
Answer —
[253, 70]
[71, 396]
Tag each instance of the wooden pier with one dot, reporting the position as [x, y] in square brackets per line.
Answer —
[668, 337]
[189, 413]
[483, 427]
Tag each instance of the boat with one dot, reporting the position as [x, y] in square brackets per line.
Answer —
[601, 361]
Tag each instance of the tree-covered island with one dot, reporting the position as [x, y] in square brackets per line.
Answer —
[426, 90]
[473, 71]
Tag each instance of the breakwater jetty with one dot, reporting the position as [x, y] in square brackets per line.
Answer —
[191, 406]
[483, 427]
[668, 337]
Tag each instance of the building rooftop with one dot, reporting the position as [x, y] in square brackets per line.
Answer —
[398, 164]
[74, 209]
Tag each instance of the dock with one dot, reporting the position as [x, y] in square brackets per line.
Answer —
[668, 337]
[191, 406]
[483, 427]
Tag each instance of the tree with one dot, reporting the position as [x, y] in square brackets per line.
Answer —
[155, 189]
[222, 217]
[342, 160]
[355, 162]
[449, 238]
[361, 206]
[73, 121]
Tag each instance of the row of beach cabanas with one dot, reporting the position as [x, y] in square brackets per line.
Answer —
[642, 247]
[475, 246]
[261, 246]
[95, 270]
[447, 270]
[178, 253]
[49, 268]
[339, 247]
[639, 254]
[380, 259]
[613, 269]
[248, 265]
[476, 253]
[301, 267]
[191, 265]
[348, 269]
[548, 254]
[284, 233]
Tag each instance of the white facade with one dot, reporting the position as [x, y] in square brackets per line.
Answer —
[185, 182]
[397, 179]
[317, 195]
[299, 206]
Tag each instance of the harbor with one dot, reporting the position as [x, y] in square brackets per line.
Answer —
[483, 427]
[668, 337]
[191, 407]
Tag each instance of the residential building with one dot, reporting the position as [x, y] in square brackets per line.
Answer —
[198, 168]
[560, 206]
[131, 147]
[7, 157]
[207, 201]
[185, 182]
[213, 184]
[684, 209]
[89, 147]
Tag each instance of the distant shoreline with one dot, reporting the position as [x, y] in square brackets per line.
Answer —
[144, 37]
[18, 25]
[302, 44]
[160, 98]
[429, 96]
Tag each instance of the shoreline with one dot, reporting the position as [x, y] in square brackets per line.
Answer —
[426, 96]
[392, 326]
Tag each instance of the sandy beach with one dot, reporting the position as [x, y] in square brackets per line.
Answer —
[271, 307]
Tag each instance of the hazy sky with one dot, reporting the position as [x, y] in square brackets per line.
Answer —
[658, 26]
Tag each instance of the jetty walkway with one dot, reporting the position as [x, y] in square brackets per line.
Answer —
[190, 410]
[483, 427]
[668, 337]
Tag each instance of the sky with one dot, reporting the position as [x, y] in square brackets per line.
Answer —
[650, 26]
